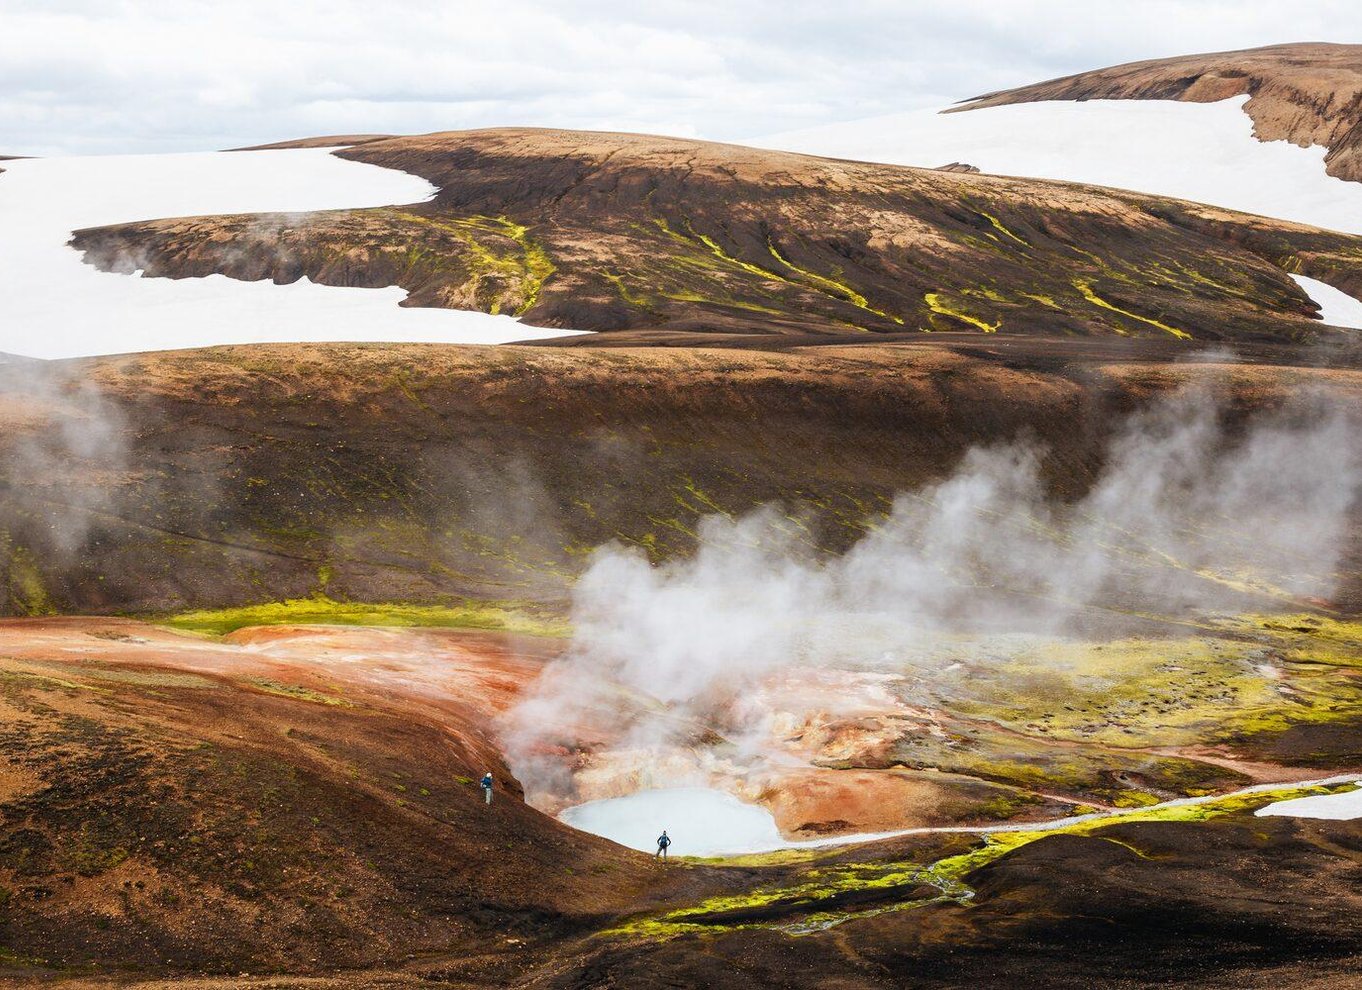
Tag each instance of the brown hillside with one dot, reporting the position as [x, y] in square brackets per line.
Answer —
[172, 804]
[207, 478]
[321, 141]
[615, 232]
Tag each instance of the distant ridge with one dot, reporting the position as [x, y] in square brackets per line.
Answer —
[321, 141]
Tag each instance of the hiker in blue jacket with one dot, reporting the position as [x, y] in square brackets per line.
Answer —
[663, 841]
[487, 786]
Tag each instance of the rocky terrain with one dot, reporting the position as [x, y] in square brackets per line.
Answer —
[618, 232]
[1308, 94]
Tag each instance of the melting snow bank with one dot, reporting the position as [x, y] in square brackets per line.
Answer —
[1339, 807]
[52, 305]
[706, 822]
[1205, 152]
[1337, 308]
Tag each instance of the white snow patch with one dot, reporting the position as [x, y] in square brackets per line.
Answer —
[701, 822]
[1205, 152]
[1343, 806]
[1337, 308]
[52, 305]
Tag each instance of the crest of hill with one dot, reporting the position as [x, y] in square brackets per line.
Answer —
[320, 141]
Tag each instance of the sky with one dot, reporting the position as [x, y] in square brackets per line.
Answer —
[137, 76]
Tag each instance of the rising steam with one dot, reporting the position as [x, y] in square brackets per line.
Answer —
[63, 461]
[1187, 514]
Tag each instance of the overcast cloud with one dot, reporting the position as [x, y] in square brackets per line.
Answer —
[100, 76]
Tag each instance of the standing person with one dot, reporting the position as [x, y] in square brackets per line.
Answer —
[487, 786]
[663, 841]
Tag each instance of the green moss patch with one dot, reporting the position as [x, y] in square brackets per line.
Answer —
[298, 692]
[327, 612]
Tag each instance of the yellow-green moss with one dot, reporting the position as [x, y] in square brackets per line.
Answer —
[325, 611]
[538, 264]
[625, 293]
[1134, 799]
[1159, 692]
[112, 674]
[29, 676]
[936, 305]
[527, 269]
[1086, 289]
[28, 594]
[832, 286]
[87, 854]
[1303, 637]
[1047, 301]
[998, 226]
[717, 250]
[298, 692]
[718, 258]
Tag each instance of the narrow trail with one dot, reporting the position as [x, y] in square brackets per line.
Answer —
[1258, 772]
[1055, 824]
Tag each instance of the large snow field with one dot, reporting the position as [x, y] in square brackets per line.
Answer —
[1205, 152]
[53, 305]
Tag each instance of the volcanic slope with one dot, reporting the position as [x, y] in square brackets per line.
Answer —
[1308, 94]
[171, 803]
[423, 473]
[612, 232]
[178, 807]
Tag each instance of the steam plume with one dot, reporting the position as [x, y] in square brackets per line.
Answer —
[1187, 514]
[65, 460]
